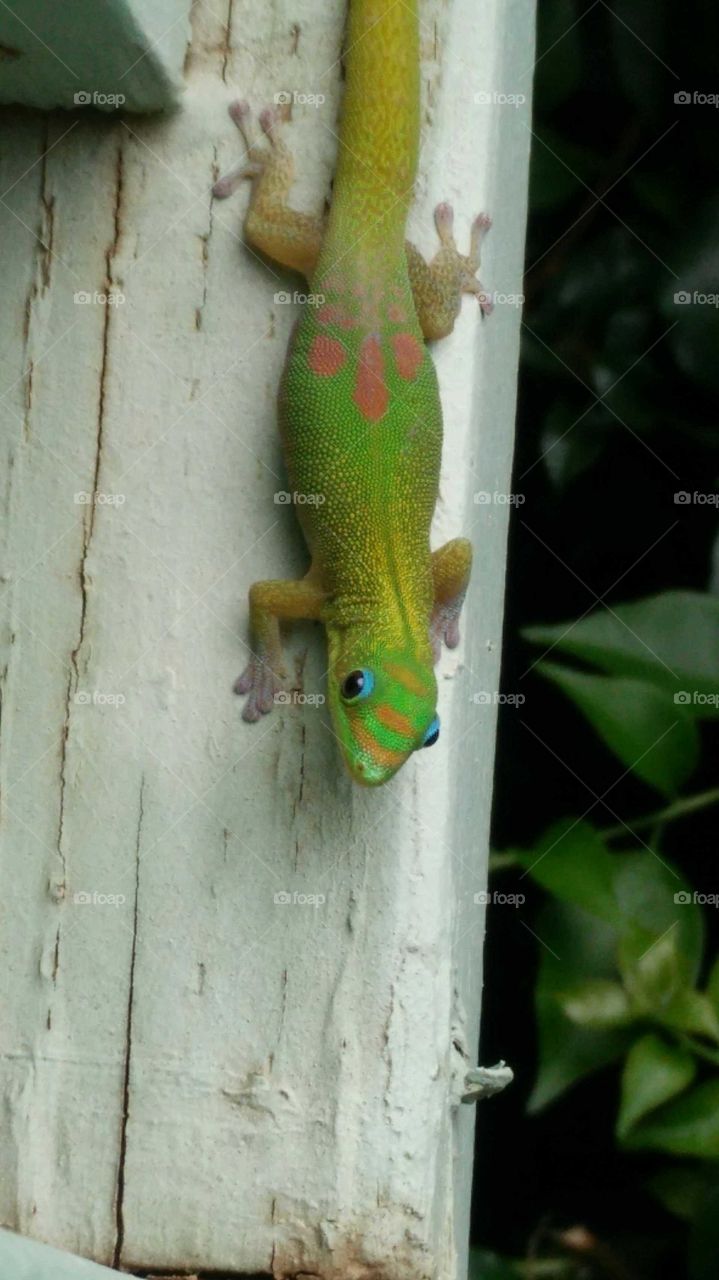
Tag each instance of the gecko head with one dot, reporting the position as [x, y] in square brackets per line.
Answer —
[383, 708]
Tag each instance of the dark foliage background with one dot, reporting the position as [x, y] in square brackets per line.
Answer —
[617, 413]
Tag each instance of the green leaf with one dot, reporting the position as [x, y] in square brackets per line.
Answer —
[680, 1188]
[571, 861]
[574, 947]
[671, 640]
[638, 721]
[689, 1126]
[651, 974]
[657, 919]
[692, 1012]
[654, 1072]
[596, 1003]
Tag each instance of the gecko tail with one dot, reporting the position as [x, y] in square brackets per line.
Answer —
[379, 133]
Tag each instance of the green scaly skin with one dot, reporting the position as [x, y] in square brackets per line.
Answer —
[361, 419]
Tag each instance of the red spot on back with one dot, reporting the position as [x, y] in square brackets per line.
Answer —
[326, 356]
[371, 395]
[396, 313]
[408, 353]
[331, 313]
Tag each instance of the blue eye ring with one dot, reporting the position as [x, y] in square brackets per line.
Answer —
[357, 685]
[432, 733]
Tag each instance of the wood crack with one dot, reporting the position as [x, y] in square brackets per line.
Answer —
[206, 250]
[120, 1185]
[227, 42]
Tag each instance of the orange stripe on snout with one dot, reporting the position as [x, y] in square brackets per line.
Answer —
[379, 754]
[405, 677]
[395, 721]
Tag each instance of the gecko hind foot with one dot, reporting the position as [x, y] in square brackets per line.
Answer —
[438, 286]
[468, 264]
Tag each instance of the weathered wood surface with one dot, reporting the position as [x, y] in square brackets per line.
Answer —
[195, 1073]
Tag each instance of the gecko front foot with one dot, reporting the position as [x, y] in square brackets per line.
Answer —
[261, 685]
[444, 627]
[451, 567]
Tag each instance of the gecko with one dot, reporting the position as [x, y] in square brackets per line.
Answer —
[359, 406]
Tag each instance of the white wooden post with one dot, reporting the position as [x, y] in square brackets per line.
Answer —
[23, 1259]
[121, 53]
[239, 995]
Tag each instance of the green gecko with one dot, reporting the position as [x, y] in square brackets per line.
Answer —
[359, 408]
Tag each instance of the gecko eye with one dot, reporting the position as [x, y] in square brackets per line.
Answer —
[432, 733]
[358, 684]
